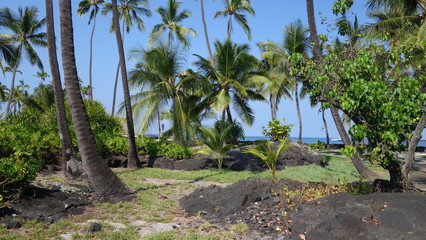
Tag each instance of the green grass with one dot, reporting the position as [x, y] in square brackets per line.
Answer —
[158, 203]
[338, 170]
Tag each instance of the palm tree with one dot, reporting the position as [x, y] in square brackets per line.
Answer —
[159, 76]
[206, 34]
[313, 30]
[296, 41]
[7, 49]
[42, 75]
[272, 66]
[102, 180]
[67, 149]
[130, 11]
[215, 145]
[232, 76]
[26, 33]
[396, 19]
[269, 154]
[85, 7]
[233, 9]
[133, 159]
[21, 95]
[171, 19]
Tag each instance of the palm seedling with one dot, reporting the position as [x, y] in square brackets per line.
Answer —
[215, 144]
[269, 154]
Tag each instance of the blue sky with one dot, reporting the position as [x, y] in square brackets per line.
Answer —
[268, 23]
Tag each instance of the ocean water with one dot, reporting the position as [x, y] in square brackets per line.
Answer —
[308, 140]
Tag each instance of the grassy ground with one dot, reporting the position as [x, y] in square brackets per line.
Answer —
[158, 204]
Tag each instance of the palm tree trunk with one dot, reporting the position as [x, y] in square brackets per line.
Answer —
[313, 29]
[356, 160]
[133, 159]
[114, 95]
[327, 136]
[67, 149]
[234, 139]
[91, 56]
[160, 131]
[273, 105]
[229, 27]
[409, 158]
[206, 34]
[105, 185]
[12, 82]
[299, 116]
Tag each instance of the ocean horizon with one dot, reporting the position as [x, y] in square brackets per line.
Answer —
[309, 140]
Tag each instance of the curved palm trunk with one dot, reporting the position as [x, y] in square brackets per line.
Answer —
[206, 34]
[299, 116]
[67, 149]
[273, 106]
[356, 160]
[91, 56]
[102, 181]
[409, 158]
[114, 94]
[133, 159]
[327, 136]
[12, 82]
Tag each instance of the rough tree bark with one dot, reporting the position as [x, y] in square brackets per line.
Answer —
[133, 159]
[106, 186]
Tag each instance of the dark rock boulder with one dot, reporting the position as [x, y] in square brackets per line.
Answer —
[195, 163]
[374, 216]
[47, 204]
[214, 201]
[300, 154]
[94, 227]
[116, 161]
[162, 162]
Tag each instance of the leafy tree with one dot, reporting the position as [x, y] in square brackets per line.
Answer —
[84, 7]
[381, 91]
[277, 131]
[129, 12]
[171, 19]
[26, 33]
[215, 144]
[233, 9]
[133, 159]
[269, 154]
[102, 180]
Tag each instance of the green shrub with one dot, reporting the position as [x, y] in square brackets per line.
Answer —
[154, 148]
[277, 131]
[16, 172]
[318, 145]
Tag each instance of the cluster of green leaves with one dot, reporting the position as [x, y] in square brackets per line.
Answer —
[118, 145]
[318, 145]
[269, 154]
[381, 90]
[277, 131]
[26, 141]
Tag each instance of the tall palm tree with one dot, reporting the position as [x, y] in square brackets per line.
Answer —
[102, 180]
[42, 75]
[206, 33]
[85, 7]
[130, 11]
[26, 33]
[159, 76]
[171, 19]
[273, 65]
[313, 30]
[67, 149]
[231, 76]
[233, 9]
[133, 159]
